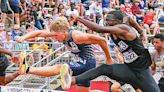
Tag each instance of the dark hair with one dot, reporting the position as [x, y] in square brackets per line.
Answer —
[159, 36]
[117, 15]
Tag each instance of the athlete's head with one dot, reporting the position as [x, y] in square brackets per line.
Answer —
[113, 18]
[158, 41]
[59, 28]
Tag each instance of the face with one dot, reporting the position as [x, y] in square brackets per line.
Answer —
[110, 21]
[136, 3]
[72, 6]
[55, 11]
[158, 43]
[61, 6]
[122, 8]
[16, 29]
[58, 36]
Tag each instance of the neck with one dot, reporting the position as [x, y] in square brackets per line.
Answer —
[160, 50]
[66, 36]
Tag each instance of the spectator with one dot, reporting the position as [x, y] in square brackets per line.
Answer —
[72, 10]
[152, 4]
[150, 22]
[158, 58]
[15, 4]
[96, 10]
[22, 10]
[137, 10]
[106, 4]
[3, 35]
[55, 13]
[16, 32]
[30, 29]
[161, 14]
[127, 10]
[9, 45]
[47, 21]
[66, 3]
[115, 2]
[60, 7]
[62, 13]
[3, 10]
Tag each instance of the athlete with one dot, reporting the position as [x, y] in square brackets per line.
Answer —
[4, 62]
[79, 44]
[135, 70]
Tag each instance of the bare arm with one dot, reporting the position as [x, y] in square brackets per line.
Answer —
[81, 38]
[10, 77]
[100, 29]
[153, 65]
[5, 52]
[135, 25]
[33, 35]
[119, 56]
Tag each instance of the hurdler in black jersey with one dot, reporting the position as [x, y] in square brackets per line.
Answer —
[135, 70]
[134, 53]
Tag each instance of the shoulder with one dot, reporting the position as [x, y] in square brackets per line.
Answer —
[76, 35]
[123, 26]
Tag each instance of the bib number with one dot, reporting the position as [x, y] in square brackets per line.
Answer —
[130, 56]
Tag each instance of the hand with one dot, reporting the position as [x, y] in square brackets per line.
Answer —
[10, 54]
[74, 17]
[109, 61]
[15, 59]
[20, 39]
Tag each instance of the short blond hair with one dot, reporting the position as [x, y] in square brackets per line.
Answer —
[60, 23]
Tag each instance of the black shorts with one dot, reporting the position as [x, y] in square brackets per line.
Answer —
[15, 9]
[4, 62]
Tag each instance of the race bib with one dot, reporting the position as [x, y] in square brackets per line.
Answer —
[130, 56]
[73, 47]
[122, 46]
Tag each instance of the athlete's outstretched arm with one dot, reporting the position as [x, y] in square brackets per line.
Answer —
[100, 29]
[33, 35]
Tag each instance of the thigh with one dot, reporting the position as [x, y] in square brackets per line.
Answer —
[79, 67]
[146, 82]
[76, 67]
[121, 72]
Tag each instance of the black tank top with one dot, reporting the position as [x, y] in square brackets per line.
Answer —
[134, 53]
